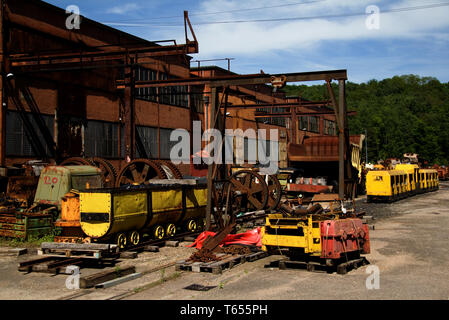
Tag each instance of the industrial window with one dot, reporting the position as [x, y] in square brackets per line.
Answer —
[329, 127]
[148, 135]
[197, 99]
[174, 95]
[166, 145]
[101, 139]
[314, 124]
[17, 141]
[304, 123]
[279, 121]
[148, 94]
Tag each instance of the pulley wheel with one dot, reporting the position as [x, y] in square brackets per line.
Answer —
[249, 190]
[76, 161]
[140, 171]
[108, 172]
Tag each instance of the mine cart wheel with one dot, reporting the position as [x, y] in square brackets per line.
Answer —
[274, 192]
[121, 240]
[200, 224]
[170, 169]
[76, 161]
[249, 190]
[134, 238]
[191, 225]
[108, 172]
[159, 232]
[171, 230]
[140, 171]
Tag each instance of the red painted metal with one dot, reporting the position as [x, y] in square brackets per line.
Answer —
[308, 188]
[340, 237]
[317, 149]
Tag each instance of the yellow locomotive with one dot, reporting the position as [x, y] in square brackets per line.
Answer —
[405, 180]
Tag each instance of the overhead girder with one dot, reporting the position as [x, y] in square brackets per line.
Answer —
[246, 79]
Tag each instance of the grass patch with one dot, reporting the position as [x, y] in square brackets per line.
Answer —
[31, 242]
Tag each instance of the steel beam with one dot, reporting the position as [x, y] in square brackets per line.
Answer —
[211, 167]
[236, 80]
[20, 60]
[288, 115]
[2, 91]
[341, 139]
[129, 114]
[280, 104]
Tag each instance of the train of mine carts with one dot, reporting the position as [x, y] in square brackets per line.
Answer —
[75, 202]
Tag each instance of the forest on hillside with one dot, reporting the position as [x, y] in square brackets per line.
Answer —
[403, 114]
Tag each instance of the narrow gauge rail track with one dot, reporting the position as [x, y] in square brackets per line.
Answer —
[160, 242]
[57, 264]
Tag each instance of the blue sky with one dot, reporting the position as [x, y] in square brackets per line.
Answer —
[406, 42]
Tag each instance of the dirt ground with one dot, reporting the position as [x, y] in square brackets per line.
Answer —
[408, 246]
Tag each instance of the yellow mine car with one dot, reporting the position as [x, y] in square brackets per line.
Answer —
[405, 180]
[125, 215]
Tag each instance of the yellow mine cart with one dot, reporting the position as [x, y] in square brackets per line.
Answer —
[125, 215]
[301, 234]
[386, 185]
[412, 171]
[324, 239]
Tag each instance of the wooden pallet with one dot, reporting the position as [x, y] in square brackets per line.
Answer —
[58, 265]
[78, 250]
[227, 261]
[312, 266]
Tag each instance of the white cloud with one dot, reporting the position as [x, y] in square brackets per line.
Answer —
[251, 38]
[123, 9]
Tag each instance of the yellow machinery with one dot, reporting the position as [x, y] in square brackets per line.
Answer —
[128, 214]
[323, 238]
[405, 180]
[432, 181]
[281, 232]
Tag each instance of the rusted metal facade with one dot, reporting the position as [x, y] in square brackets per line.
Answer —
[100, 92]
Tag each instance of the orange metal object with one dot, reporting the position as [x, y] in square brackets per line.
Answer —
[70, 211]
[70, 220]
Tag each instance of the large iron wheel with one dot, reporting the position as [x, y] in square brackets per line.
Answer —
[170, 169]
[249, 190]
[140, 171]
[108, 172]
[76, 161]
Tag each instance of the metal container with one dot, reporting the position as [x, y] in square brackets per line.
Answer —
[108, 212]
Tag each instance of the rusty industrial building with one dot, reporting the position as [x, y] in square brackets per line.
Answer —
[63, 92]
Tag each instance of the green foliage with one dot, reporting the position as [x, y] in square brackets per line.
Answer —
[32, 241]
[400, 114]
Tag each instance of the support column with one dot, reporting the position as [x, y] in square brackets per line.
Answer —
[341, 138]
[129, 112]
[294, 124]
[212, 112]
[3, 100]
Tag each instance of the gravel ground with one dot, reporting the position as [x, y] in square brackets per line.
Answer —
[409, 245]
